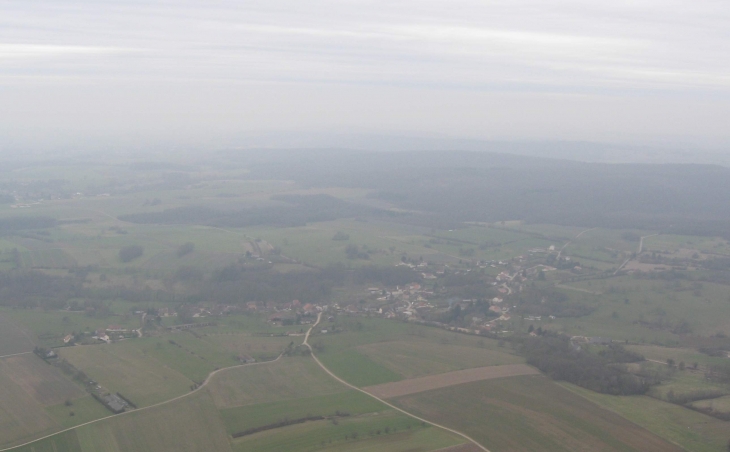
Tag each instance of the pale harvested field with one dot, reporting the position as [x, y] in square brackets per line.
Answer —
[45, 383]
[415, 385]
[191, 424]
[12, 338]
[21, 417]
[121, 368]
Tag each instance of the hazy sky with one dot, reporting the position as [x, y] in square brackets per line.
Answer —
[219, 72]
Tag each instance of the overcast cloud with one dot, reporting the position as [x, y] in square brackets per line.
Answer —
[219, 72]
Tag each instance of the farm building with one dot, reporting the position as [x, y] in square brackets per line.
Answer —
[246, 359]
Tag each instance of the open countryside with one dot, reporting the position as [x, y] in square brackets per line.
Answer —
[133, 319]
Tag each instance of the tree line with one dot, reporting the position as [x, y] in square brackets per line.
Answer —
[558, 358]
[232, 284]
[293, 210]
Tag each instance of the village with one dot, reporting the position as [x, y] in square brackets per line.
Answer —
[427, 300]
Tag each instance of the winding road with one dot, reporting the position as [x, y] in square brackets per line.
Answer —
[306, 342]
[187, 394]
[216, 372]
[571, 241]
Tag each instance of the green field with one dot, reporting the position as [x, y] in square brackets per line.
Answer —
[357, 368]
[63, 442]
[686, 355]
[682, 383]
[373, 351]
[720, 404]
[193, 357]
[679, 243]
[49, 258]
[664, 303]
[251, 416]
[260, 347]
[288, 378]
[531, 413]
[404, 434]
[510, 414]
[417, 358]
[691, 430]
[84, 409]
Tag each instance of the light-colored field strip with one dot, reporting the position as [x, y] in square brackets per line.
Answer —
[211, 375]
[421, 384]
[468, 447]
[15, 354]
[456, 432]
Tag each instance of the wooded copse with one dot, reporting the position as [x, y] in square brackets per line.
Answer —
[600, 372]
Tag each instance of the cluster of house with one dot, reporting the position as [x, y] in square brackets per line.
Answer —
[294, 312]
[591, 340]
[112, 333]
[408, 293]
[213, 310]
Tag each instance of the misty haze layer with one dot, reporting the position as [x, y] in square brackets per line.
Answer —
[111, 74]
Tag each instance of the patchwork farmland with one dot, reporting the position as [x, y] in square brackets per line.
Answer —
[201, 328]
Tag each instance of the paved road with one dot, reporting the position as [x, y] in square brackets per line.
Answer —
[306, 342]
[641, 247]
[571, 241]
[641, 242]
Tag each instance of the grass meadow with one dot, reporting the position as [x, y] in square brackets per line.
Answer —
[288, 378]
[623, 303]
[63, 442]
[370, 351]
[691, 430]
[84, 409]
[251, 416]
[418, 358]
[720, 404]
[353, 433]
[678, 354]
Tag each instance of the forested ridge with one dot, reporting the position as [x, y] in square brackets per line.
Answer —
[473, 186]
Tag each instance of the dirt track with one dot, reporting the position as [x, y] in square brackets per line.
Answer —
[468, 447]
[414, 385]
